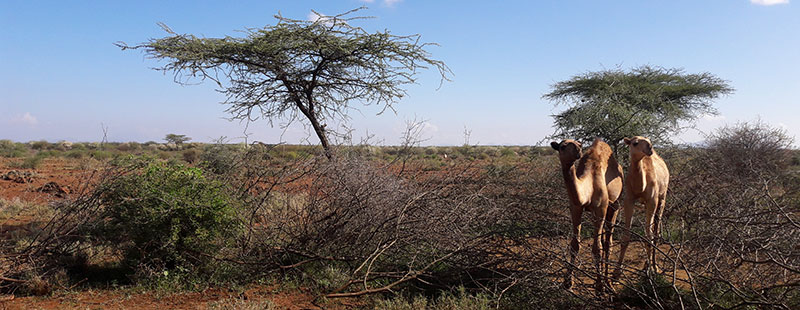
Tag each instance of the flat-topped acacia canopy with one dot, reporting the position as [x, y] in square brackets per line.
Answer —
[648, 101]
[316, 68]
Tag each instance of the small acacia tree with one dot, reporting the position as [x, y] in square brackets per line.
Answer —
[177, 139]
[311, 68]
[647, 101]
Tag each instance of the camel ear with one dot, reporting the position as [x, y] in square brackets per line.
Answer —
[554, 145]
[627, 141]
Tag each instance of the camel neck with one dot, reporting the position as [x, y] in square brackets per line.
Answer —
[637, 159]
[636, 163]
[571, 181]
[568, 171]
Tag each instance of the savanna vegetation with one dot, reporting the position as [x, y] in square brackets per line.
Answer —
[407, 226]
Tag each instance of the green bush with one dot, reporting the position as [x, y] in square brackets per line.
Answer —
[219, 158]
[40, 145]
[165, 215]
[102, 155]
[78, 146]
[460, 300]
[124, 147]
[51, 153]
[164, 155]
[507, 152]
[291, 155]
[31, 162]
[190, 155]
[10, 149]
[75, 153]
[6, 144]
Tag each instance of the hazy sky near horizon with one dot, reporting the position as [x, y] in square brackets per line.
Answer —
[61, 77]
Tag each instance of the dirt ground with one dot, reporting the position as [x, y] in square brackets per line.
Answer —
[68, 173]
[209, 299]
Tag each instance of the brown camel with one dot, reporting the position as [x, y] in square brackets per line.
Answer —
[593, 183]
[646, 182]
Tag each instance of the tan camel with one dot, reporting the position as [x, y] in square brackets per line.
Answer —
[646, 182]
[593, 183]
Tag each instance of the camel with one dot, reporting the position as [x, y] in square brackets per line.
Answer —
[593, 183]
[646, 182]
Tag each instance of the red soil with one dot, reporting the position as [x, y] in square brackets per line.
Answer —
[120, 299]
[66, 173]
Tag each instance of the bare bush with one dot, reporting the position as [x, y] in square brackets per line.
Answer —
[734, 213]
[752, 152]
[36, 262]
[382, 227]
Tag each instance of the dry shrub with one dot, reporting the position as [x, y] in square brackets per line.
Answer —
[36, 261]
[242, 304]
[392, 226]
[190, 155]
[750, 152]
[735, 209]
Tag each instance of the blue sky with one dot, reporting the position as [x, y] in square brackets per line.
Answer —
[61, 77]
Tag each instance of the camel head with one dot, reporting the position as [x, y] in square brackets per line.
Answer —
[640, 145]
[568, 151]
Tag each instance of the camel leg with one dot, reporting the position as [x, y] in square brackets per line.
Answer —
[657, 228]
[597, 244]
[626, 236]
[650, 210]
[608, 233]
[575, 244]
[659, 213]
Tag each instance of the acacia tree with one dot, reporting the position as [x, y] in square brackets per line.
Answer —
[647, 101]
[311, 68]
[177, 139]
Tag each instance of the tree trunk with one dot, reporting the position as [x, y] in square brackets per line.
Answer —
[319, 129]
[323, 138]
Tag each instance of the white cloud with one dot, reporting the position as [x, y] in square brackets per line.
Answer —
[431, 128]
[764, 2]
[418, 129]
[391, 3]
[314, 16]
[25, 119]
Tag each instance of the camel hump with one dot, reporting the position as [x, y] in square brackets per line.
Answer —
[595, 159]
[600, 148]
